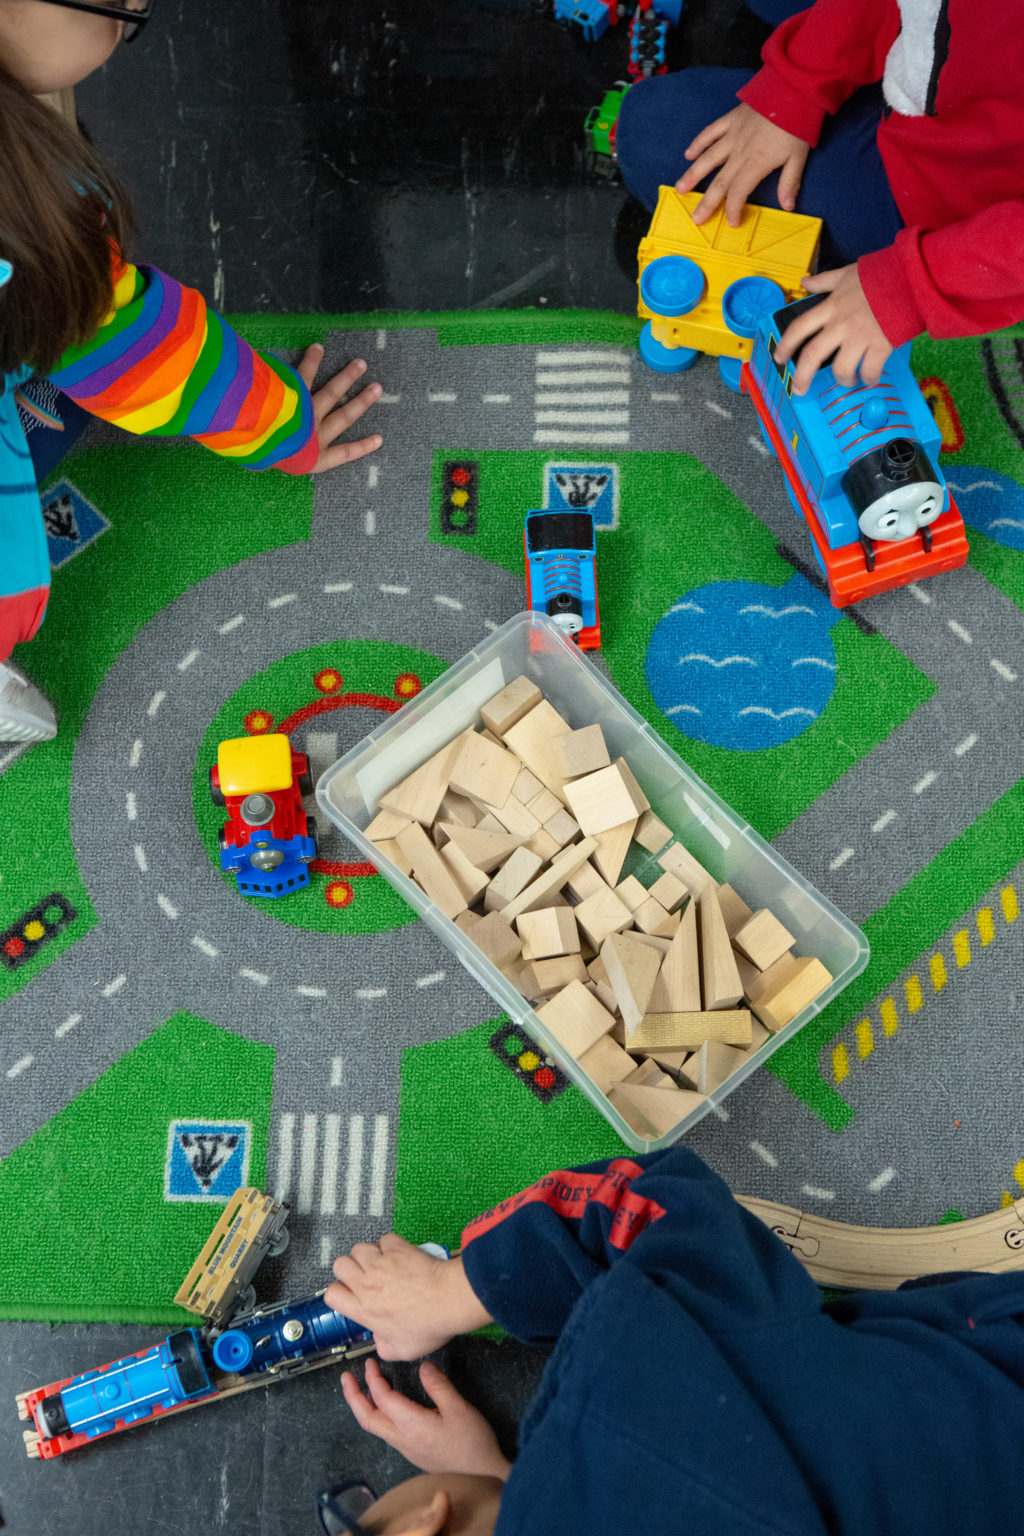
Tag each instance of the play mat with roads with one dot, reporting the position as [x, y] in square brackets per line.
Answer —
[163, 1038]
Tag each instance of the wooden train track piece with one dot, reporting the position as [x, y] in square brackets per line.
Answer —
[881, 1258]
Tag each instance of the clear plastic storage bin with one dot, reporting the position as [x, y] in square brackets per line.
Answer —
[348, 793]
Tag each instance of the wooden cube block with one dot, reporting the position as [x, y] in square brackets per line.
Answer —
[586, 882]
[606, 1063]
[651, 833]
[670, 891]
[530, 739]
[562, 827]
[430, 871]
[780, 1004]
[548, 931]
[678, 861]
[651, 917]
[510, 705]
[605, 799]
[602, 914]
[514, 875]
[631, 892]
[632, 970]
[544, 805]
[763, 939]
[526, 786]
[575, 1018]
[580, 752]
[498, 940]
[467, 920]
[719, 979]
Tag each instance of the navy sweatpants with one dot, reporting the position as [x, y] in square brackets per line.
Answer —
[844, 181]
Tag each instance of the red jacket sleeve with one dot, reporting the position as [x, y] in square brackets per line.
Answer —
[817, 59]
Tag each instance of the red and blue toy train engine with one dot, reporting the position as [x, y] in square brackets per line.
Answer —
[561, 573]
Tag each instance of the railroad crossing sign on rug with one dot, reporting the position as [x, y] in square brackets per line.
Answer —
[152, 1014]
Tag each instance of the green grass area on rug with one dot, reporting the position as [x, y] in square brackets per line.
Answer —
[86, 1232]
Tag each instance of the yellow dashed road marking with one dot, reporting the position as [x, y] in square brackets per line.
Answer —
[890, 1018]
[937, 965]
[865, 1039]
[840, 1063]
[1008, 897]
[913, 991]
[962, 948]
[986, 928]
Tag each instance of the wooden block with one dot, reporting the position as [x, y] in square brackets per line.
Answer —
[780, 1004]
[637, 1122]
[681, 863]
[390, 849]
[604, 993]
[575, 1018]
[677, 989]
[749, 974]
[688, 1031]
[543, 845]
[430, 871]
[713, 1063]
[602, 914]
[763, 939]
[764, 981]
[490, 823]
[516, 819]
[651, 833]
[420, 795]
[515, 874]
[539, 891]
[758, 1036]
[546, 977]
[467, 920]
[562, 827]
[650, 916]
[734, 909]
[652, 940]
[605, 799]
[648, 1074]
[548, 931]
[631, 892]
[612, 847]
[484, 850]
[499, 942]
[472, 882]
[530, 739]
[673, 1062]
[544, 805]
[580, 752]
[662, 1108]
[514, 701]
[386, 825]
[460, 808]
[487, 735]
[720, 983]
[670, 891]
[586, 882]
[606, 1063]
[526, 786]
[632, 970]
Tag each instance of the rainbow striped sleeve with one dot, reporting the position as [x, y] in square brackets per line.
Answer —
[163, 365]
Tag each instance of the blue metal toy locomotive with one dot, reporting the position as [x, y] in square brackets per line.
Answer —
[561, 574]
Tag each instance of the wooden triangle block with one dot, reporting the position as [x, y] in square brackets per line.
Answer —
[612, 847]
[632, 970]
[677, 989]
[484, 850]
[720, 980]
[419, 795]
[662, 1108]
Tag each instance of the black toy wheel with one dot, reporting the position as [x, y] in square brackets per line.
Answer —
[216, 795]
[306, 783]
[222, 838]
[312, 831]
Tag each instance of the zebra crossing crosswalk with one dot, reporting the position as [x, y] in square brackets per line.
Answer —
[581, 397]
[325, 1166]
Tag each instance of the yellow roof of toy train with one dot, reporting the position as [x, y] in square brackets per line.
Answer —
[783, 246]
[250, 763]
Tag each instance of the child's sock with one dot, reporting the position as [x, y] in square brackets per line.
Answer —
[25, 713]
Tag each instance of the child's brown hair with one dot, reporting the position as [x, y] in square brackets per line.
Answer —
[61, 209]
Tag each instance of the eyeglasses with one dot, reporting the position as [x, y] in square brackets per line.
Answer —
[342, 1507]
[133, 13]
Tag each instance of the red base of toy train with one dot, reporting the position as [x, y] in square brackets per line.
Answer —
[849, 580]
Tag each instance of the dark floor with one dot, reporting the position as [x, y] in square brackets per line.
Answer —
[338, 156]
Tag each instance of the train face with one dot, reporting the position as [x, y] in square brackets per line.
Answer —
[170, 1373]
[561, 576]
[893, 490]
[265, 1340]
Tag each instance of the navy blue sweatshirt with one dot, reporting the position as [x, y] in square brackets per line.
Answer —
[698, 1384]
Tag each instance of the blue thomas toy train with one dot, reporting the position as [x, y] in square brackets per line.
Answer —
[861, 466]
[561, 574]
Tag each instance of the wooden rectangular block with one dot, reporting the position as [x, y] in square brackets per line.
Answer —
[419, 795]
[605, 799]
[677, 989]
[580, 752]
[651, 917]
[530, 739]
[467, 920]
[548, 931]
[779, 1005]
[763, 939]
[678, 861]
[651, 833]
[575, 1018]
[562, 827]
[688, 1031]
[585, 882]
[544, 805]
[602, 914]
[386, 825]
[509, 706]
[543, 845]
[484, 850]
[515, 818]
[734, 909]
[670, 891]
[430, 871]
[498, 940]
[546, 977]
[632, 970]
[756, 982]
[631, 892]
[526, 786]
[472, 882]
[713, 1063]
[720, 983]
[521, 866]
[550, 880]
[599, 979]
[660, 1108]
[606, 1063]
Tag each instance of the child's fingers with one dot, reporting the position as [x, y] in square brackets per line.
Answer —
[709, 161]
[337, 387]
[439, 1389]
[330, 427]
[706, 137]
[789, 183]
[344, 453]
[309, 364]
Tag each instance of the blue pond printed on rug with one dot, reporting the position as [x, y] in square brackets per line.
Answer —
[206, 1159]
[742, 665]
[990, 502]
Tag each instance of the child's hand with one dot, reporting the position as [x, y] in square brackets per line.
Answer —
[844, 323]
[451, 1437]
[748, 148]
[411, 1302]
[331, 422]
